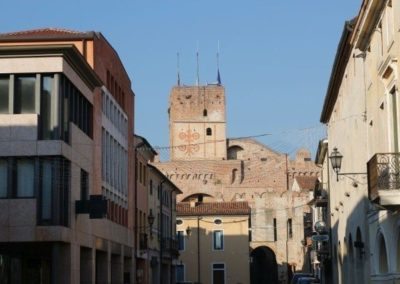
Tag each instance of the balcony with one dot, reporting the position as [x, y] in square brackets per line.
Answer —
[170, 246]
[384, 180]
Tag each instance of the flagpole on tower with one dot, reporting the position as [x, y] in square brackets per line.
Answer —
[179, 77]
[198, 72]
[218, 75]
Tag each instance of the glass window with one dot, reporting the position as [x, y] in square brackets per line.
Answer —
[76, 106]
[218, 240]
[103, 154]
[290, 229]
[108, 103]
[45, 107]
[151, 187]
[103, 101]
[81, 111]
[24, 97]
[46, 180]
[181, 240]
[3, 178]
[25, 178]
[114, 161]
[66, 116]
[209, 131]
[64, 171]
[85, 116]
[4, 82]
[84, 185]
[108, 140]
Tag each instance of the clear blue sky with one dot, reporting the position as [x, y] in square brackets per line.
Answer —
[275, 56]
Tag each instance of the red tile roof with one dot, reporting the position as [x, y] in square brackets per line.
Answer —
[306, 182]
[213, 208]
[45, 33]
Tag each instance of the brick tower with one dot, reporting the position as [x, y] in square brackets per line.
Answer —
[197, 123]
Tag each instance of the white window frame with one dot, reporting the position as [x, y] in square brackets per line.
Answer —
[223, 241]
[218, 269]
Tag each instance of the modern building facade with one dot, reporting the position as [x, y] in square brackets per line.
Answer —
[66, 176]
[213, 242]
[361, 112]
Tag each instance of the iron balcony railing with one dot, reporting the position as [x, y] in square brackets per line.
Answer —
[383, 173]
[320, 197]
[170, 245]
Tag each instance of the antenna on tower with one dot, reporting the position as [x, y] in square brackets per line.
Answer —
[197, 58]
[177, 62]
[218, 75]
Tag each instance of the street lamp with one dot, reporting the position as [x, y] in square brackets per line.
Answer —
[188, 231]
[336, 161]
[320, 227]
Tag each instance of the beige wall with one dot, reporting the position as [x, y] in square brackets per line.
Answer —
[235, 254]
[77, 43]
[361, 125]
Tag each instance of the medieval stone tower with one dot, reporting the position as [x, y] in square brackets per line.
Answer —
[197, 123]
[209, 168]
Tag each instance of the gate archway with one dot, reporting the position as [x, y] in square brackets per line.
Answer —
[263, 267]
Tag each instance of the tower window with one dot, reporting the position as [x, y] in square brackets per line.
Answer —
[209, 131]
[204, 112]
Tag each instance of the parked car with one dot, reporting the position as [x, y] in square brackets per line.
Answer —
[307, 280]
[296, 277]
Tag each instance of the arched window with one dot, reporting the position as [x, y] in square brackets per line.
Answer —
[382, 255]
[208, 131]
[233, 152]
[204, 112]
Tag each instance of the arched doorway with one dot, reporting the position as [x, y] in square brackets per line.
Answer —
[263, 266]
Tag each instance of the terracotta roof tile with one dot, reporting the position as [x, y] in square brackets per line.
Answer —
[306, 182]
[41, 31]
[45, 33]
[213, 208]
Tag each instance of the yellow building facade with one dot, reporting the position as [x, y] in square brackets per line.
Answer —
[213, 242]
